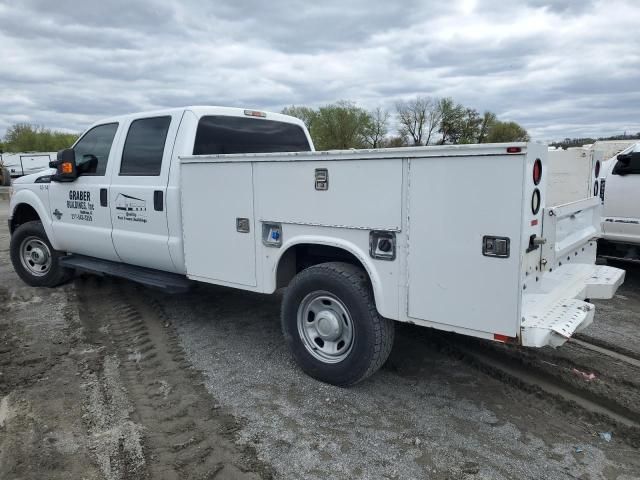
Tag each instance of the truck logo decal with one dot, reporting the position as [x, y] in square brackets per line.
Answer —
[131, 209]
[57, 213]
[80, 200]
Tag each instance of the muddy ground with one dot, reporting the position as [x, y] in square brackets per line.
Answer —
[105, 379]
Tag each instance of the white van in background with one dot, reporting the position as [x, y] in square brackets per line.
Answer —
[620, 194]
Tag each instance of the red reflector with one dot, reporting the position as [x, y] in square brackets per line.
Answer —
[537, 171]
[597, 169]
[514, 149]
[501, 338]
[534, 222]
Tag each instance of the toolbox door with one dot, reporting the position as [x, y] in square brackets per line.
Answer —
[218, 221]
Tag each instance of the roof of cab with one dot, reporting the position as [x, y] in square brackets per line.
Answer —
[201, 110]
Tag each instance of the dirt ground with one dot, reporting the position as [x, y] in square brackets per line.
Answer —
[105, 379]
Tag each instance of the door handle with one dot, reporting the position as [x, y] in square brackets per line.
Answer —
[158, 200]
[103, 197]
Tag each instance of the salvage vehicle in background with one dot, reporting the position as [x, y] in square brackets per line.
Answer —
[456, 238]
[619, 186]
[14, 165]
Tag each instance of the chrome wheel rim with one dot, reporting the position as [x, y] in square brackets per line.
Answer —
[325, 327]
[35, 256]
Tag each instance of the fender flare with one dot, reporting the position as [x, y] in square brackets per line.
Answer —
[348, 246]
[28, 197]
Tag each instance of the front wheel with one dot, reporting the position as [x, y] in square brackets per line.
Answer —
[34, 259]
[330, 322]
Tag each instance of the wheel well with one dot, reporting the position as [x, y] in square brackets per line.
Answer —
[305, 255]
[22, 214]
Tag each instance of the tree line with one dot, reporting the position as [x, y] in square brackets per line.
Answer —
[578, 142]
[420, 121]
[23, 137]
[343, 124]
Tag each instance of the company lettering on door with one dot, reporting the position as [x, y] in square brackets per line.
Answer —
[80, 200]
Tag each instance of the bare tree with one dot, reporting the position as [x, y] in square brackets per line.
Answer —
[377, 128]
[419, 118]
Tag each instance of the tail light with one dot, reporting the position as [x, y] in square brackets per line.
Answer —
[597, 169]
[537, 171]
[595, 188]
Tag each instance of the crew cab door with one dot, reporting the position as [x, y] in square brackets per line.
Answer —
[138, 191]
[621, 211]
[81, 219]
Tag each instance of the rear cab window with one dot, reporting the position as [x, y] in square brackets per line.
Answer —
[218, 134]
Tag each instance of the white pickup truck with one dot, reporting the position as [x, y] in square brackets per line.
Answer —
[453, 237]
[620, 193]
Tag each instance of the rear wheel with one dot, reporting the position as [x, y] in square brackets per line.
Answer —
[330, 322]
[34, 259]
[5, 177]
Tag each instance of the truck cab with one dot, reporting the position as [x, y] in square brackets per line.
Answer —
[124, 205]
[620, 194]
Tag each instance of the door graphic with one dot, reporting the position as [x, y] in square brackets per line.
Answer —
[131, 208]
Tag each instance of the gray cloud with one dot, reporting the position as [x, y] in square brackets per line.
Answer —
[561, 68]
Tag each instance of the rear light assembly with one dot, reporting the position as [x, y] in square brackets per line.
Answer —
[596, 170]
[514, 149]
[537, 171]
[595, 188]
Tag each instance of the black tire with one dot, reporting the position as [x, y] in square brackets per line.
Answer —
[55, 275]
[372, 335]
[5, 177]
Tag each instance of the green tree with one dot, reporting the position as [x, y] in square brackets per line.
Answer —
[488, 119]
[340, 125]
[470, 126]
[306, 114]
[452, 123]
[501, 132]
[23, 137]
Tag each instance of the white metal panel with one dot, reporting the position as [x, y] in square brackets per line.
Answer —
[213, 197]
[360, 194]
[568, 175]
[453, 203]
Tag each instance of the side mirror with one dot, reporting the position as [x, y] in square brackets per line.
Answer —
[67, 170]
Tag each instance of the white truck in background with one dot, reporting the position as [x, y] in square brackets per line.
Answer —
[620, 195]
[14, 165]
[571, 171]
[456, 238]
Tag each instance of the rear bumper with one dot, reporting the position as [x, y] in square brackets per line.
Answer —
[558, 308]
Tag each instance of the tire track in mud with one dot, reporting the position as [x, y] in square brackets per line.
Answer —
[182, 432]
[610, 398]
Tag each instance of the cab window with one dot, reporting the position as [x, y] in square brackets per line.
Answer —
[224, 134]
[97, 143]
[627, 164]
[144, 146]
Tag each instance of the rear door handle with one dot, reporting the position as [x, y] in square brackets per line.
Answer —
[103, 197]
[158, 200]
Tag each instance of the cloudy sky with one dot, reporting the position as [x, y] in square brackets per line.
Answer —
[560, 68]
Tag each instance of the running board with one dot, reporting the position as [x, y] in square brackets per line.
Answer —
[168, 282]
